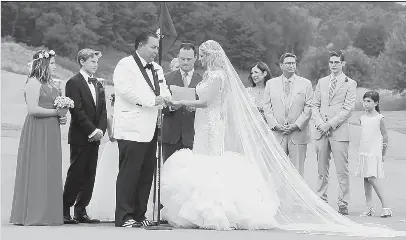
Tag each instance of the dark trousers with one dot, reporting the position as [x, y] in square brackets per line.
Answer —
[168, 149]
[137, 162]
[80, 178]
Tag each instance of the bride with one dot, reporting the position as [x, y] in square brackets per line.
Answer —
[237, 176]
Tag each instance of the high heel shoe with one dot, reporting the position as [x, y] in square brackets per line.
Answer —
[369, 212]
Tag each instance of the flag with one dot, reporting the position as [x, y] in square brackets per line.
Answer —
[166, 31]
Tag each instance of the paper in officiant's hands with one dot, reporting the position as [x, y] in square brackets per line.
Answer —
[182, 93]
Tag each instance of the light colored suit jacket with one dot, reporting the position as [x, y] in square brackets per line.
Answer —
[337, 109]
[135, 114]
[299, 107]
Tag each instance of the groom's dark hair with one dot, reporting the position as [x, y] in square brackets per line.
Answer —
[143, 38]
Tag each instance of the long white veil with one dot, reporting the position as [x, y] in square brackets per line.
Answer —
[247, 133]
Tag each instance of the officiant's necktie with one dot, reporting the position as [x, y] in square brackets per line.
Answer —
[333, 84]
[185, 82]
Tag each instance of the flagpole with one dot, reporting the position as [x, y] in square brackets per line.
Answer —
[157, 173]
[160, 118]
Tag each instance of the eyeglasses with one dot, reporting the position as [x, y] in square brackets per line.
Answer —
[334, 62]
[339, 54]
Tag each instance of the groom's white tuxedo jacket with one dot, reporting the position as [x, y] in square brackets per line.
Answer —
[135, 116]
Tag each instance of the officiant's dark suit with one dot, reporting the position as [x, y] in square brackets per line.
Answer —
[178, 125]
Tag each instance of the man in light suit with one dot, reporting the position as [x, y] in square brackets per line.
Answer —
[287, 108]
[178, 124]
[334, 100]
[138, 95]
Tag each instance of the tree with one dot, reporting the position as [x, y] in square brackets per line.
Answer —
[371, 39]
[358, 67]
[314, 64]
[341, 41]
[391, 67]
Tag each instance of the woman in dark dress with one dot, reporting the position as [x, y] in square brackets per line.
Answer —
[37, 196]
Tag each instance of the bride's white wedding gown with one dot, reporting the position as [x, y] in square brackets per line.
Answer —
[212, 189]
[103, 203]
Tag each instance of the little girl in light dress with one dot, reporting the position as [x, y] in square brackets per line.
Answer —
[372, 150]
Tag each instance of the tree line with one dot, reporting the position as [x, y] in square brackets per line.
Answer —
[372, 34]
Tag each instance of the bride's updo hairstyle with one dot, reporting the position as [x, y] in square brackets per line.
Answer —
[215, 55]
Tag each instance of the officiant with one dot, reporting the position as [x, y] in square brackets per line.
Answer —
[178, 124]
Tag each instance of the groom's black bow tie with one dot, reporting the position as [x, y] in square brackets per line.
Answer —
[92, 80]
[149, 66]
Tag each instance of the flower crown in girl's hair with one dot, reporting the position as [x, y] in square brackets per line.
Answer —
[50, 53]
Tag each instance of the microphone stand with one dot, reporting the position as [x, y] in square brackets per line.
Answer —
[157, 179]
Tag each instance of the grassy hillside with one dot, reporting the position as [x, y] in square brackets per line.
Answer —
[15, 58]
[388, 100]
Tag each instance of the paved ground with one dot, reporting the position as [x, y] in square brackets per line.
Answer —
[12, 118]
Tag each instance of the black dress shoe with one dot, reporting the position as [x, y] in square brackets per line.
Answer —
[86, 219]
[69, 220]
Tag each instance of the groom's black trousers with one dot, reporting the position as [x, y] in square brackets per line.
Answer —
[137, 162]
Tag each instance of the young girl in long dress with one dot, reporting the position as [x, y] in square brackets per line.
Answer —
[372, 151]
[37, 198]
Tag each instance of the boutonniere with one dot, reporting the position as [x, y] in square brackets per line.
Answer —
[101, 88]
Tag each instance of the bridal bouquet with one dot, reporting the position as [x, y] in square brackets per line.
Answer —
[63, 102]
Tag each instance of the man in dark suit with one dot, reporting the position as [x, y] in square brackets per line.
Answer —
[87, 127]
[178, 124]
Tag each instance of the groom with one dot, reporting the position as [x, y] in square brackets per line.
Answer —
[87, 127]
[138, 97]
